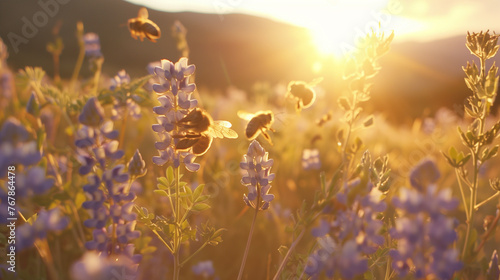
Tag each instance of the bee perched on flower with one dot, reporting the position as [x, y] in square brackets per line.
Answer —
[197, 130]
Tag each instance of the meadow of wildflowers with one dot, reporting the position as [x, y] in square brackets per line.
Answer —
[115, 177]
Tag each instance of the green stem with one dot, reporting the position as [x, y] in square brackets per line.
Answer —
[462, 193]
[247, 249]
[177, 237]
[486, 200]
[193, 254]
[288, 254]
[163, 241]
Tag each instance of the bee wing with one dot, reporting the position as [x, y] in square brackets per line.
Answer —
[143, 13]
[221, 129]
[202, 145]
[245, 115]
[186, 143]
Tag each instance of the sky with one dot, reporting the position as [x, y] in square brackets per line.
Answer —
[334, 22]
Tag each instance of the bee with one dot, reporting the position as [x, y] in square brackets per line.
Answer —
[327, 117]
[143, 27]
[303, 93]
[258, 123]
[197, 130]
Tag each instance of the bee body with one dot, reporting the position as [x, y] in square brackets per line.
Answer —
[258, 123]
[303, 93]
[141, 27]
[197, 130]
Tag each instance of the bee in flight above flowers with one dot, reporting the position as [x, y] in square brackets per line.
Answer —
[143, 27]
[303, 93]
[197, 130]
[258, 123]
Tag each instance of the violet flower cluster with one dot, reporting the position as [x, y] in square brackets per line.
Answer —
[175, 97]
[92, 45]
[353, 233]
[125, 106]
[109, 199]
[424, 234]
[16, 149]
[258, 176]
[51, 220]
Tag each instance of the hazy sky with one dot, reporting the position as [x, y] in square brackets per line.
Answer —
[335, 21]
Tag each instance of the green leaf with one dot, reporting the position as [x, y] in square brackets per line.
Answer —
[170, 175]
[200, 207]
[198, 191]
[163, 183]
[344, 103]
[161, 192]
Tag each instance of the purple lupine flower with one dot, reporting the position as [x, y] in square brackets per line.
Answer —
[310, 159]
[120, 79]
[92, 45]
[424, 173]
[493, 272]
[258, 176]
[110, 210]
[33, 106]
[16, 146]
[92, 113]
[174, 77]
[175, 97]
[126, 106]
[46, 221]
[204, 269]
[136, 165]
[425, 234]
[33, 181]
[345, 241]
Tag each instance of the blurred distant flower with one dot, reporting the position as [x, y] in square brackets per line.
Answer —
[16, 146]
[97, 267]
[33, 106]
[344, 242]
[423, 174]
[258, 178]
[7, 85]
[46, 221]
[493, 268]
[310, 159]
[92, 45]
[33, 181]
[424, 233]
[120, 79]
[204, 269]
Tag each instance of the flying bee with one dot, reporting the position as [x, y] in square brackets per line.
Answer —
[303, 93]
[258, 123]
[143, 27]
[324, 119]
[197, 130]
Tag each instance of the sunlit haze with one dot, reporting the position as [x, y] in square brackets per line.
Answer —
[335, 25]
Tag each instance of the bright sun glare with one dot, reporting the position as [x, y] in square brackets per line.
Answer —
[337, 26]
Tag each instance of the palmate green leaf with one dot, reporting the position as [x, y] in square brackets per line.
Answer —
[202, 198]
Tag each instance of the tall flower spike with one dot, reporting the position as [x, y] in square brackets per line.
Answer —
[258, 178]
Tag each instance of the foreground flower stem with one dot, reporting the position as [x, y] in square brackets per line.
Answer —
[245, 255]
[288, 254]
[177, 234]
[475, 151]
